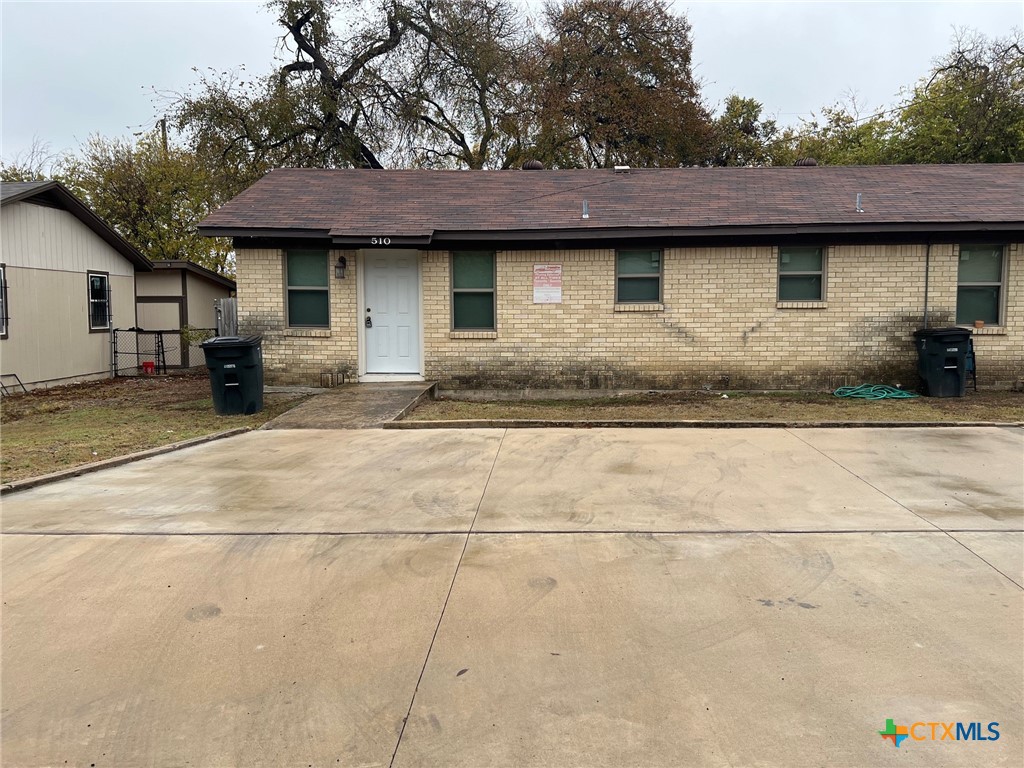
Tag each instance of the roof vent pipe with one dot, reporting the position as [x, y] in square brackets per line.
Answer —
[621, 169]
[586, 210]
[859, 209]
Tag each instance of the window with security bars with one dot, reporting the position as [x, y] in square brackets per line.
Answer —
[99, 301]
[801, 273]
[473, 291]
[3, 301]
[306, 274]
[979, 289]
[638, 276]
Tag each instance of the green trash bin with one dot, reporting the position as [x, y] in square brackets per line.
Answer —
[942, 360]
[235, 364]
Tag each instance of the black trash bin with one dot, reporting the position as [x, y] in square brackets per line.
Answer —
[236, 373]
[942, 360]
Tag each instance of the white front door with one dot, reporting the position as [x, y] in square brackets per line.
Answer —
[391, 312]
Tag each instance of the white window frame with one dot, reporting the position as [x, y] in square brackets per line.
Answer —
[4, 307]
[88, 287]
[325, 289]
[641, 275]
[1001, 284]
[822, 273]
[493, 290]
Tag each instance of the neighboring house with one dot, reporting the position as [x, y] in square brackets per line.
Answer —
[177, 294]
[736, 277]
[67, 280]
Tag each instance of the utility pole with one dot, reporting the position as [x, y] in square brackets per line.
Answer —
[162, 122]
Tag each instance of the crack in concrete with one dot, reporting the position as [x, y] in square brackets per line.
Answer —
[904, 506]
[533, 532]
[444, 607]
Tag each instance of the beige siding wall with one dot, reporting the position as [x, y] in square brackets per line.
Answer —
[49, 341]
[719, 324]
[201, 313]
[48, 253]
[159, 316]
[159, 283]
[37, 237]
[201, 294]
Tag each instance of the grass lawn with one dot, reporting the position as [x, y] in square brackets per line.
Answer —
[51, 429]
[790, 407]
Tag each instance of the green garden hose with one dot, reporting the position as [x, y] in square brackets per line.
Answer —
[873, 392]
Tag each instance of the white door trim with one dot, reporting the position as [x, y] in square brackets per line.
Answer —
[363, 376]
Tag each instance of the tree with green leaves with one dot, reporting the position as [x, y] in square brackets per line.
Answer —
[742, 137]
[618, 87]
[838, 137]
[971, 107]
[154, 196]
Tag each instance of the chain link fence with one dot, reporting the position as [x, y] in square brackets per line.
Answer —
[137, 352]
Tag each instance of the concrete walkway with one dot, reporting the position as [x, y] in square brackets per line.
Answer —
[522, 598]
[355, 406]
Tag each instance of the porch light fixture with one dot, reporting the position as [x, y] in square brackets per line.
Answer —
[339, 268]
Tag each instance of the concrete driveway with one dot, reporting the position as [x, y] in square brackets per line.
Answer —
[522, 598]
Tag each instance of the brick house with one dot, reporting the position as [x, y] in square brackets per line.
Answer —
[656, 278]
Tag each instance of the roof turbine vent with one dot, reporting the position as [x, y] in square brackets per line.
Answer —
[806, 162]
[533, 165]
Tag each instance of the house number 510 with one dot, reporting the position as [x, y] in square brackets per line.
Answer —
[380, 241]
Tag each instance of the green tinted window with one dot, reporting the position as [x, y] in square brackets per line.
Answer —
[308, 295]
[639, 262]
[473, 294]
[977, 303]
[473, 310]
[473, 269]
[800, 259]
[980, 264]
[645, 289]
[307, 269]
[980, 284]
[638, 276]
[800, 288]
[307, 308]
[801, 273]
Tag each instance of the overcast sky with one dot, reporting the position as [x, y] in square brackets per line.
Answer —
[71, 69]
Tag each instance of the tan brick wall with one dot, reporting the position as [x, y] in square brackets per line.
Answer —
[719, 325]
[296, 356]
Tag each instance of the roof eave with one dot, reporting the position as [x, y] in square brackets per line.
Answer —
[592, 233]
[196, 269]
[83, 213]
[578, 234]
[290, 233]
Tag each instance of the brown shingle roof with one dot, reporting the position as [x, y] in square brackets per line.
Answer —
[418, 203]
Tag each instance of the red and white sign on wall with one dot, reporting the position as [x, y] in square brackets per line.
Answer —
[547, 283]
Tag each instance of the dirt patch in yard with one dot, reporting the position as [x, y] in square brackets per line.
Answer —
[787, 407]
[47, 430]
